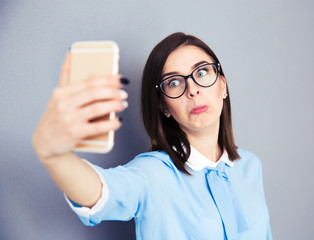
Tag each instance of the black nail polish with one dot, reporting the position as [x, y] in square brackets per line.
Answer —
[124, 81]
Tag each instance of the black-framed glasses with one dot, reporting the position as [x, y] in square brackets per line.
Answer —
[175, 86]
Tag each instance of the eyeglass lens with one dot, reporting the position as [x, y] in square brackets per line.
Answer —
[204, 76]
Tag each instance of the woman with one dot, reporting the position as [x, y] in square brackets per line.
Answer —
[194, 184]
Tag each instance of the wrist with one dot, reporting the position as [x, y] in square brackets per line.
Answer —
[45, 154]
[50, 160]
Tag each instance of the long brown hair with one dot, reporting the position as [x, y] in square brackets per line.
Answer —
[165, 133]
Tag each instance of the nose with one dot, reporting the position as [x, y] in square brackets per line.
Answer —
[192, 88]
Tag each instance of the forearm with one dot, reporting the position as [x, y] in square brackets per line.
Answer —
[76, 178]
[66, 121]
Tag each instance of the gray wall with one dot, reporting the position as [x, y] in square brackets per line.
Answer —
[266, 49]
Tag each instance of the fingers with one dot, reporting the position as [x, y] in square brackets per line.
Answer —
[97, 94]
[65, 71]
[99, 109]
[99, 127]
[90, 99]
[67, 118]
[77, 112]
[70, 90]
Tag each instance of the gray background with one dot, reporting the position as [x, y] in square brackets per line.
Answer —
[266, 49]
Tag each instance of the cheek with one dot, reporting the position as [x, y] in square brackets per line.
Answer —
[215, 99]
[176, 108]
[219, 104]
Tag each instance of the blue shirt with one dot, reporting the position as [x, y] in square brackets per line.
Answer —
[168, 204]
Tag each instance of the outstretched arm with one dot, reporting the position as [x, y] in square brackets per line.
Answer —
[66, 121]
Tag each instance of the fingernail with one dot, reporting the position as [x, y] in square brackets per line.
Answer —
[123, 94]
[124, 81]
[125, 104]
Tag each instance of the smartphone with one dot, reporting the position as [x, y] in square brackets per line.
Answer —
[92, 59]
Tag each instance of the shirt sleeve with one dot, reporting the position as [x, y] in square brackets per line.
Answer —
[124, 191]
[84, 213]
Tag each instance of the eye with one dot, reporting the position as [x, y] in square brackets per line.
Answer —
[202, 72]
[173, 83]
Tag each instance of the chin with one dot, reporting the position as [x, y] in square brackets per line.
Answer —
[203, 122]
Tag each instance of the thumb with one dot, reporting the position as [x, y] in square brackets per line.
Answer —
[65, 71]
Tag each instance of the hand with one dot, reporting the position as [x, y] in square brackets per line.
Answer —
[66, 120]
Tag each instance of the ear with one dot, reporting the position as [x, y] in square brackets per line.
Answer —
[166, 111]
[223, 83]
[223, 86]
[163, 108]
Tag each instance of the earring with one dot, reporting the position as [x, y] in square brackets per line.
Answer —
[225, 95]
[167, 115]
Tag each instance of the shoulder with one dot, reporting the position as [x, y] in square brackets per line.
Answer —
[154, 158]
[248, 170]
[248, 160]
[155, 162]
[245, 154]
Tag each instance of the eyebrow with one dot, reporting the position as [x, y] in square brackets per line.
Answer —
[176, 73]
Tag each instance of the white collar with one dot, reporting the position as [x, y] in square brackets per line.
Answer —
[198, 161]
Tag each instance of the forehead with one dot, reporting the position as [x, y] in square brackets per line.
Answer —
[183, 58]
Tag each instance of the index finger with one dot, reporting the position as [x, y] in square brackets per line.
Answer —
[90, 84]
[65, 71]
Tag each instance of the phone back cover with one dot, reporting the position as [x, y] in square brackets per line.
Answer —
[90, 59]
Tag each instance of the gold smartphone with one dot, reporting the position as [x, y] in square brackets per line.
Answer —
[92, 59]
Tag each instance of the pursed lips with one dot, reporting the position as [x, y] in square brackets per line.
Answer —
[199, 109]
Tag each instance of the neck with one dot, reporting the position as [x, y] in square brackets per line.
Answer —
[210, 150]
[206, 142]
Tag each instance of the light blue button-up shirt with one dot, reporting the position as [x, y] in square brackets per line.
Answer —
[223, 200]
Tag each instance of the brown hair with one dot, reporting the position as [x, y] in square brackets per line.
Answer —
[165, 133]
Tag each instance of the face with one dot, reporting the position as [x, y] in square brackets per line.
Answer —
[198, 110]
